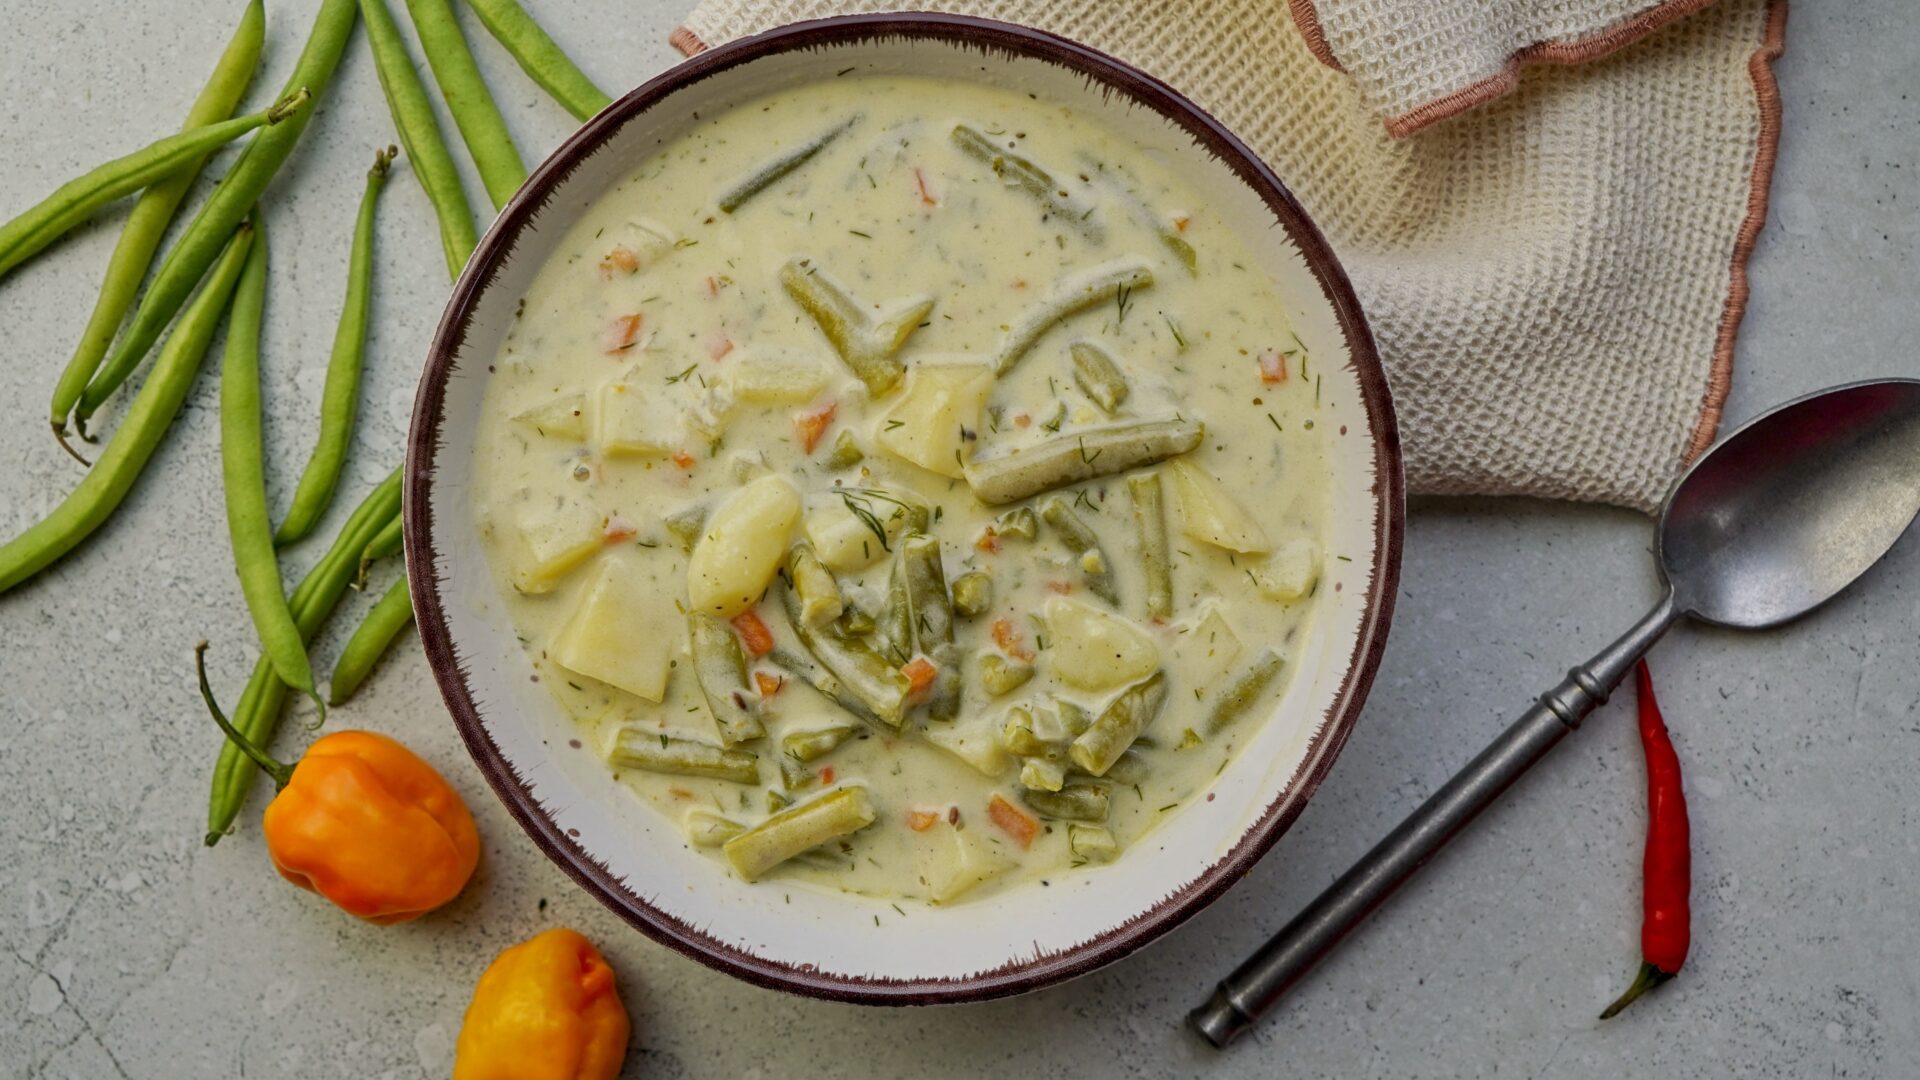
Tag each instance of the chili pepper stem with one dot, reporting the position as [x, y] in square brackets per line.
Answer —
[1648, 978]
[60, 436]
[282, 773]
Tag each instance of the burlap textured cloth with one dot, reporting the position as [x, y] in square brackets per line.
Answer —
[1546, 206]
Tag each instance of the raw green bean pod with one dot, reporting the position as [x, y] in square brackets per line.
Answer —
[419, 132]
[340, 399]
[868, 344]
[1084, 455]
[370, 641]
[1075, 210]
[481, 126]
[1079, 538]
[229, 204]
[1112, 282]
[720, 666]
[637, 747]
[1241, 691]
[76, 200]
[147, 223]
[1122, 721]
[384, 546]
[1156, 554]
[973, 593]
[771, 171]
[313, 600]
[815, 743]
[243, 475]
[540, 57]
[863, 673]
[840, 812]
[1098, 375]
[101, 490]
[1073, 802]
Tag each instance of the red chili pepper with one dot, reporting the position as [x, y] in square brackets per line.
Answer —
[1664, 928]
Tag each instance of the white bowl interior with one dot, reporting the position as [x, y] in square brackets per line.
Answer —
[832, 934]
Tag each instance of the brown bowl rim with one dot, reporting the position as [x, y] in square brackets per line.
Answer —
[1042, 969]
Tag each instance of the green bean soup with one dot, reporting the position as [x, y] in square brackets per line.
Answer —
[908, 486]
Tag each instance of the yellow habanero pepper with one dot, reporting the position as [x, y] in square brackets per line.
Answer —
[363, 821]
[546, 1009]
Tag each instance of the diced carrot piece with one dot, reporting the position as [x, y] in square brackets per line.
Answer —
[920, 182]
[989, 540]
[922, 820]
[769, 684]
[1273, 367]
[1181, 222]
[621, 260]
[1007, 636]
[826, 775]
[713, 286]
[720, 346]
[1021, 420]
[1019, 283]
[683, 459]
[1012, 820]
[753, 633]
[814, 423]
[618, 529]
[680, 793]
[1061, 588]
[919, 672]
[621, 333]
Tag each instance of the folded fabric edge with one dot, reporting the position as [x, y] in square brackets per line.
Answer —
[686, 41]
[1307, 18]
[1766, 90]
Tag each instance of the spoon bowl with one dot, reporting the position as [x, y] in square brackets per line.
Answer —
[1769, 524]
[1788, 510]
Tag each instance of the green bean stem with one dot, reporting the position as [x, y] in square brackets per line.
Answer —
[340, 399]
[1084, 455]
[1156, 555]
[313, 600]
[1121, 722]
[720, 667]
[76, 200]
[769, 172]
[650, 751]
[1110, 282]
[485, 132]
[100, 492]
[200, 244]
[420, 136]
[540, 57]
[370, 641]
[1241, 691]
[1079, 538]
[280, 772]
[243, 475]
[151, 214]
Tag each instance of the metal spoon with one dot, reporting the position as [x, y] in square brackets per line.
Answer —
[1768, 525]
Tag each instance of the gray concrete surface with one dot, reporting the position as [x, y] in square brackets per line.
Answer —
[126, 948]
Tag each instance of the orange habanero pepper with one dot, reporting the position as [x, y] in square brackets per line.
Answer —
[363, 821]
[545, 1009]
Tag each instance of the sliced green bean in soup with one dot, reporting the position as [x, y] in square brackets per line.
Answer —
[891, 503]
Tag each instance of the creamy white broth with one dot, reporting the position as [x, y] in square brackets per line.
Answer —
[578, 481]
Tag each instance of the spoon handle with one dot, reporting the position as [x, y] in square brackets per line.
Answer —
[1259, 983]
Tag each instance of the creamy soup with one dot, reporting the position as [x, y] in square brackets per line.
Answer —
[909, 486]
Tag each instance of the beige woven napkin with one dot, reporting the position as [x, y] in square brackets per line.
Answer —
[1554, 277]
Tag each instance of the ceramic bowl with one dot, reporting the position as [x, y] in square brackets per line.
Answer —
[828, 944]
